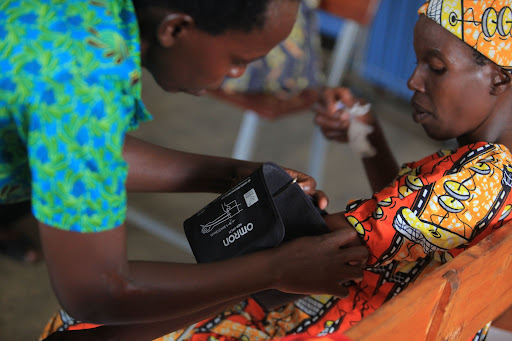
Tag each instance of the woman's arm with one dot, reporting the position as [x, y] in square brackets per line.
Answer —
[381, 168]
[440, 205]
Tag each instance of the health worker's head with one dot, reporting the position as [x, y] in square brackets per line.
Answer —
[192, 45]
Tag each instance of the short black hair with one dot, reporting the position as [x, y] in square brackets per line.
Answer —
[212, 16]
[482, 60]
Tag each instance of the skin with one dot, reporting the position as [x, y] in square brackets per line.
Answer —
[454, 97]
[142, 300]
[381, 168]
[179, 41]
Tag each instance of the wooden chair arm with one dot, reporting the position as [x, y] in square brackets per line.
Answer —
[453, 302]
[504, 321]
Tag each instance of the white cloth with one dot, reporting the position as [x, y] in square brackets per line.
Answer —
[358, 131]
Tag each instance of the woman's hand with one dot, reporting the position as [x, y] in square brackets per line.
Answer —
[333, 120]
[366, 138]
[308, 185]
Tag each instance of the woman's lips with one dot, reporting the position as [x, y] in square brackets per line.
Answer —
[419, 114]
[419, 117]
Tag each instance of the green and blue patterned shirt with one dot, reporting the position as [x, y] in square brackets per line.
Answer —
[69, 91]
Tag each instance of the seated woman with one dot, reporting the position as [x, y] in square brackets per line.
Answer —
[436, 207]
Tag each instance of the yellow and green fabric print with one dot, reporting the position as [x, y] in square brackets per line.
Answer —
[69, 91]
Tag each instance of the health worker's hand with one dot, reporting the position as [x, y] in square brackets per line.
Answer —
[338, 221]
[320, 264]
[308, 185]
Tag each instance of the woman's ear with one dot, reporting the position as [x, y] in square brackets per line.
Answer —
[172, 27]
[501, 81]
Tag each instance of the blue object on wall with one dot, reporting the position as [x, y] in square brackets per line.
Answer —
[329, 24]
[389, 57]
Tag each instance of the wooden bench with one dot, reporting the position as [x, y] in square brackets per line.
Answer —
[453, 302]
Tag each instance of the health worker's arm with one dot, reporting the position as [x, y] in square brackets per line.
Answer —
[139, 331]
[95, 282]
[152, 168]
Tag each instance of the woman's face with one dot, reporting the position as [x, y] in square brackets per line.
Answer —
[198, 61]
[452, 93]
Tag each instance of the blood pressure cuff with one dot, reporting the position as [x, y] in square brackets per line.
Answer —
[262, 211]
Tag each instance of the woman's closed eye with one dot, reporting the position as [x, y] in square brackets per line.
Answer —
[437, 69]
[435, 64]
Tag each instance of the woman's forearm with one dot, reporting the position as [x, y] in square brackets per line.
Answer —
[153, 168]
[382, 168]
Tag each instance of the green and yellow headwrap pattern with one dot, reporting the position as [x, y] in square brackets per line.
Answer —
[484, 25]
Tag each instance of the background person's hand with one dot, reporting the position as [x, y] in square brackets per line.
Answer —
[308, 185]
[321, 264]
[333, 121]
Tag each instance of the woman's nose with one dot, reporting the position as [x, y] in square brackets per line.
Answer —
[415, 82]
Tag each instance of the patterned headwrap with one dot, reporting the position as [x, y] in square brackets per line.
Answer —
[484, 25]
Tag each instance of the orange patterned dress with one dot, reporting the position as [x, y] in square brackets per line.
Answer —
[435, 209]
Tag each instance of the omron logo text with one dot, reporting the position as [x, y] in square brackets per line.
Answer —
[237, 234]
